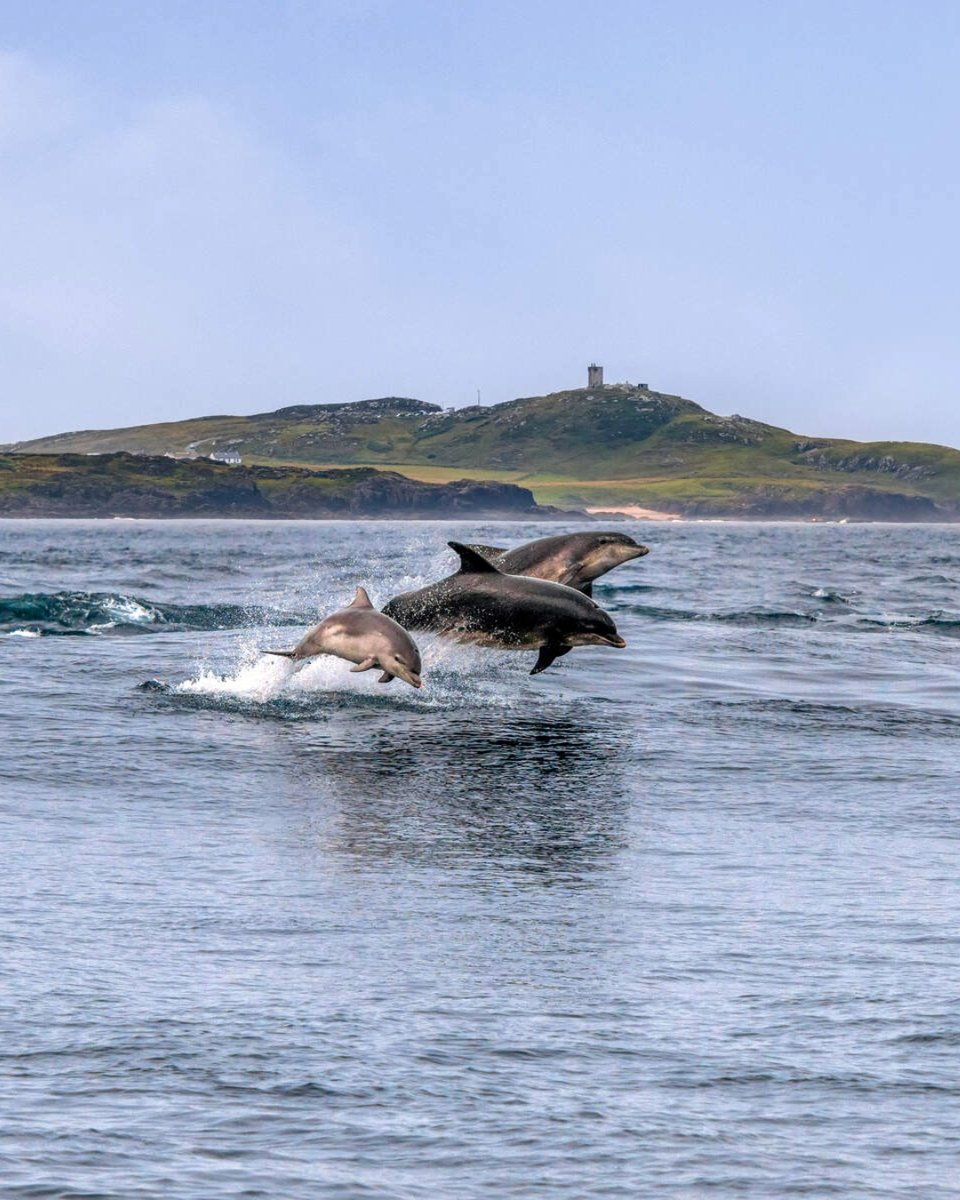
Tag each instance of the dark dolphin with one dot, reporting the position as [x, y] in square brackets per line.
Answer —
[363, 636]
[576, 559]
[482, 605]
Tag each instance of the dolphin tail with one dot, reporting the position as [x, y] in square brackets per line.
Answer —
[281, 653]
[547, 655]
[363, 666]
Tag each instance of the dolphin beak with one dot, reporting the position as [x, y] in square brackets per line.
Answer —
[615, 641]
[637, 552]
[407, 675]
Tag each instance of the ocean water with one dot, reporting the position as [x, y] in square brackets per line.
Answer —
[678, 920]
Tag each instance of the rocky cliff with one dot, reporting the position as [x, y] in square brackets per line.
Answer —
[126, 485]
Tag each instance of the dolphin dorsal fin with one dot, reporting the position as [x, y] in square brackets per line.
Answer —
[361, 599]
[472, 563]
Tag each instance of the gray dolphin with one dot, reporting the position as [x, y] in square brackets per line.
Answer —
[482, 605]
[363, 636]
[576, 559]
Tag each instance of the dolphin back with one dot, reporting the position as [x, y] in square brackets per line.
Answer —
[487, 552]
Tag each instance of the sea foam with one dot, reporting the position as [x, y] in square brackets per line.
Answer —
[452, 675]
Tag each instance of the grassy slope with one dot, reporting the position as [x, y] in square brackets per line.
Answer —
[599, 446]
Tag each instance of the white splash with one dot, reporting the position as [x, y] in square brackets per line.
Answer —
[128, 609]
[453, 675]
[24, 633]
[261, 680]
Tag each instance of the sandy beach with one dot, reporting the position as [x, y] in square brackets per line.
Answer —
[632, 510]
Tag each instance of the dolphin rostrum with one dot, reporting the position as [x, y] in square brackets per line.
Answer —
[363, 636]
[576, 559]
[481, 604]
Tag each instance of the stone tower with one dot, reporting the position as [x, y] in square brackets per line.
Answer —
[594, 376]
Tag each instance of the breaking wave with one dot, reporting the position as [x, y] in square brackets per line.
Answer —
[940, 621]
[828, 596]
[750, 616]
[43, 614]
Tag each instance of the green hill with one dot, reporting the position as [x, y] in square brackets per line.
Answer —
[612, 445]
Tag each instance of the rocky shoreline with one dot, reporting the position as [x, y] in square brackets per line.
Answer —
[128, 485]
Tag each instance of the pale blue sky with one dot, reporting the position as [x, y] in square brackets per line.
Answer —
[227, 207]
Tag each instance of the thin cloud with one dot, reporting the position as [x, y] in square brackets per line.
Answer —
[161, 257]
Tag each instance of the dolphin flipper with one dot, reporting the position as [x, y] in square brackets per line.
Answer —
[363, 666]
[587, 589]
[547, 655]
[386, 677]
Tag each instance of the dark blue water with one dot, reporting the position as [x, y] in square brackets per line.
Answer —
[677, 920]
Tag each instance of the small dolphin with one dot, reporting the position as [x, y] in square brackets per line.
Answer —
[510, 612]
[363, 636]
[576, 559]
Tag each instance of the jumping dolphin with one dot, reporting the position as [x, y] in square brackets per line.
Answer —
[576, 559]
[511, 612]
[363, 636]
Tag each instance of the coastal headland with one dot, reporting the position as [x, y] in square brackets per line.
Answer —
[135, 485]
[611, 448]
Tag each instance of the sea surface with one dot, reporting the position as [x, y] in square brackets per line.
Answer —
[678, 920]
